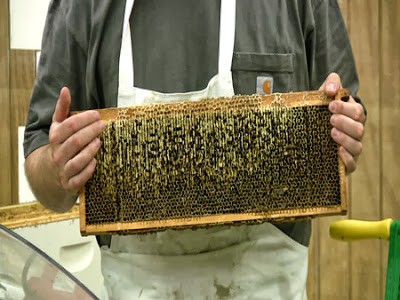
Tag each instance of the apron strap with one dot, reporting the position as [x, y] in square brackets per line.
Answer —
[126, 73]
[226, 35]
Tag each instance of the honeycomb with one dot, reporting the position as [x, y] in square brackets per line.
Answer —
[246, 158]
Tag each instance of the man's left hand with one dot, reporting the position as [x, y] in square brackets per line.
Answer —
[348, 118]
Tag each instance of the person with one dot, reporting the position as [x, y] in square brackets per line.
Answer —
[98, 54]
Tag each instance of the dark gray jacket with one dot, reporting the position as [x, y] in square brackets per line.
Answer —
[175, 49]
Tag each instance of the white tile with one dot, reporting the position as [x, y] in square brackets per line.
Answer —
[27, 19]
[24, 190]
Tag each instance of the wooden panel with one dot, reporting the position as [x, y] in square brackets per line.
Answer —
[364, 34]
[332, 263]
[5, 148]
[344, 9]
[22, 77]
[390, 115]
[334, 271]
[313, 265]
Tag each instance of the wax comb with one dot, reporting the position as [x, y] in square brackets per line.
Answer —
[218, 161]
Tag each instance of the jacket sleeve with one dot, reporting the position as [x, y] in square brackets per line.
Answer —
[329, 48]
[62, 63]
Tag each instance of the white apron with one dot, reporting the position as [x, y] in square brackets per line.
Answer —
[239, 262]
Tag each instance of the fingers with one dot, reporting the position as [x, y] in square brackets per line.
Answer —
[348, 126]
[352, 146]
[351, 109]
[77, 182]
[332, 84]
[74, 143]
[78, 162]
[348, 120]
[75, 158]
[76, 168]
[61, 132]
[62, 107]
[349, 160]
[77, 141]
[80, 168]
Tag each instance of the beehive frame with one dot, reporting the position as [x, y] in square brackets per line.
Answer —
[131, 212]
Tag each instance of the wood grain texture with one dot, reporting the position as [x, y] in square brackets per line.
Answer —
[389, 116]
[364, 194]
[313, 265]
[5, 135]
[221, 104]
[332, 263]
[32, 214]
[22, 77]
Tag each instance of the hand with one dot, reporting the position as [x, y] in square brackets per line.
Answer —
[348, 120]
[73, 144]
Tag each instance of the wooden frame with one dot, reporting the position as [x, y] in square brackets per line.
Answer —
[297, 99]
[32, 214]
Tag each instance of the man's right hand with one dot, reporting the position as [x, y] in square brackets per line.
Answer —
[59, 170]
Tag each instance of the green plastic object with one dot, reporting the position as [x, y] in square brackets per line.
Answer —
[393, 266]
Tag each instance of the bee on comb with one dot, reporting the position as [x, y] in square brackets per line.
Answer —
[229, 160]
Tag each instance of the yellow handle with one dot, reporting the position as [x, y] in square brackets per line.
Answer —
[352, 230]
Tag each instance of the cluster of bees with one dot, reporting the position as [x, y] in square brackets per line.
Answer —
[227, 158]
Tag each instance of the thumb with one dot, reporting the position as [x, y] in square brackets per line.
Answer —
[331, 85]
[62, 108]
